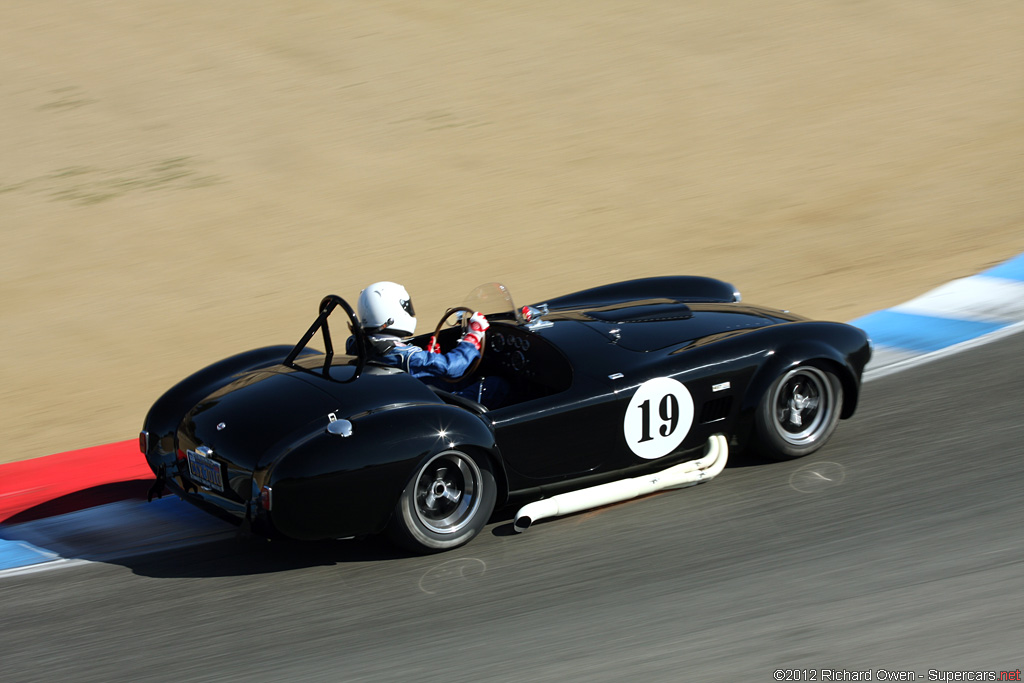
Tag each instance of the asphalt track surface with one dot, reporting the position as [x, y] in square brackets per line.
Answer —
[898, 547]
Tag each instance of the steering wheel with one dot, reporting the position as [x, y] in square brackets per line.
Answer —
[465, 328]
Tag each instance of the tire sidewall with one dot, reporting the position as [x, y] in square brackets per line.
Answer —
[771, 444]
[409, 531]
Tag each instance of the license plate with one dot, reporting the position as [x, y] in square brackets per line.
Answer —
[205, 471]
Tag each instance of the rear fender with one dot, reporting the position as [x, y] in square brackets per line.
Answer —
[330, 486]
[167, 412]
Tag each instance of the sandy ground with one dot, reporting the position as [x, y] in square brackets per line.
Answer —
[183, 180]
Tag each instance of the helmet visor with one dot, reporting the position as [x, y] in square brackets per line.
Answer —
[408, 307]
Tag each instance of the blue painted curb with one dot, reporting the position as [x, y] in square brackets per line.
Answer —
[1010, 270]
[955, 316]
[921, 333]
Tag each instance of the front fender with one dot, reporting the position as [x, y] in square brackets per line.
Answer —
[334, 487]
[830, 346]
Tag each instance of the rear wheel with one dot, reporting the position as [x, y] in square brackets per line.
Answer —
[798, 413]
[446, 503]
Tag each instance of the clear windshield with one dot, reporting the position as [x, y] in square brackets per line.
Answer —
[493, 300]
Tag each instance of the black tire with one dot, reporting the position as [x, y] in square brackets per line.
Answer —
[798, 413]
[446, 503]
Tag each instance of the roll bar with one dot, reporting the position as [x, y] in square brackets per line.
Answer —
[327, 305]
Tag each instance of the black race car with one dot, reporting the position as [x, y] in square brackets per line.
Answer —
[607, 394]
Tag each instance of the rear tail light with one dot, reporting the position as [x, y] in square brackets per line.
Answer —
[266, 498]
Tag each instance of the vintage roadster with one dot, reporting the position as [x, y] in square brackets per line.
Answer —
[609, 393]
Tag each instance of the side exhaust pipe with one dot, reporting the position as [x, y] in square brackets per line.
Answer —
[709, 466]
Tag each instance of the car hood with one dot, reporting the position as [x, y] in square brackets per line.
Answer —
[654, 324]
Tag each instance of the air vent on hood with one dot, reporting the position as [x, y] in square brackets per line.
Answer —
[644, 313]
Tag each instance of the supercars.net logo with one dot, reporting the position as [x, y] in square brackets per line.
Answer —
[892, 675]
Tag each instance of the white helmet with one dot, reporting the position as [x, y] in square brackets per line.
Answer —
[386, 305]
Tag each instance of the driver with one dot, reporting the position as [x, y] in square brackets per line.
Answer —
[387, 315]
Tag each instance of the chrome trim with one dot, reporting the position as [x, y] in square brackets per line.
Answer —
[342, 428]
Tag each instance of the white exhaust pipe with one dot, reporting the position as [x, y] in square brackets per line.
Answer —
[685, 474]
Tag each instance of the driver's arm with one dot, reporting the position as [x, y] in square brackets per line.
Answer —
[451, 365]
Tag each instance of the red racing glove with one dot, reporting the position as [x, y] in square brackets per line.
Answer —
[433, 346]
[477, 326]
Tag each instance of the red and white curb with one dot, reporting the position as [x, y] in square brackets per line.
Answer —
[90, 506]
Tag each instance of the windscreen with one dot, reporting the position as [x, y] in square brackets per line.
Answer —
[493, 300]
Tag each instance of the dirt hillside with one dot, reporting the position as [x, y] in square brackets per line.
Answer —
[184, 180]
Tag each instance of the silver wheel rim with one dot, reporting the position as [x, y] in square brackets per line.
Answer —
[802, 405]
[448, 492]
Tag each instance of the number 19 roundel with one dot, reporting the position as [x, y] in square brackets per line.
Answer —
[658, 417]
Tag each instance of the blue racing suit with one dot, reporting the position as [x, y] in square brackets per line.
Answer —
[392, 351]
[432, 367]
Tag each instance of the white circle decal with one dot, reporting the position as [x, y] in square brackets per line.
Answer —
[658, 417]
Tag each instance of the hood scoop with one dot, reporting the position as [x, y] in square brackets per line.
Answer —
[642, 313]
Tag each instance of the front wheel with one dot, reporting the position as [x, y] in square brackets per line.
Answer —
[446, 503]
[798, 413]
